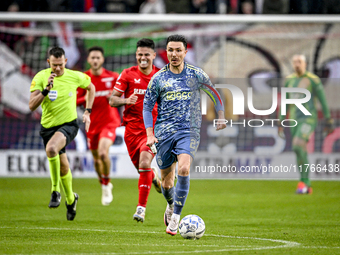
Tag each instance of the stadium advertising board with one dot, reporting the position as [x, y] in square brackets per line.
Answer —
[23, 163]
[322, 166]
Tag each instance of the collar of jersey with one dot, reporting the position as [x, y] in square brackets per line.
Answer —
[178, 74]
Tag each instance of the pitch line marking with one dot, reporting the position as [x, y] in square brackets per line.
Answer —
[320, 247]
[286, 244]
[240, 248]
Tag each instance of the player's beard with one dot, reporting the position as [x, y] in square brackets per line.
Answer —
[94, 68]
[176, 65]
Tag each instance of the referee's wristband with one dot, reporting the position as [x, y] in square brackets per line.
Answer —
[45, 92]
[89, 110]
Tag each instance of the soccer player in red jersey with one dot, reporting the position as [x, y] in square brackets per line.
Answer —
[104, 119]
[133, 83]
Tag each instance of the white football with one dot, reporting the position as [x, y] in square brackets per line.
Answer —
[191, 227]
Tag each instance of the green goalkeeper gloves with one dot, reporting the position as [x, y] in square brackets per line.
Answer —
[329, 126]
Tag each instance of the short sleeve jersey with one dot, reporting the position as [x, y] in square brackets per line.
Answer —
[131, 81]
[59, 106]
[102, 113]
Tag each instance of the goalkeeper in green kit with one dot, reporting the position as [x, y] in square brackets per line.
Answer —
[306, 123]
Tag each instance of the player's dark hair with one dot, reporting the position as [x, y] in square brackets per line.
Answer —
[145, 42]
[177, 38]
[57, 52]
[95, 48]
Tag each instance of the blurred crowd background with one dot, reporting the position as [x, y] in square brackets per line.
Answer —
[176, 6]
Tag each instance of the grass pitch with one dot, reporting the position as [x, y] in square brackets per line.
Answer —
[241, 217]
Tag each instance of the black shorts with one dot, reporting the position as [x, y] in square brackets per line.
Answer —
[69, 129]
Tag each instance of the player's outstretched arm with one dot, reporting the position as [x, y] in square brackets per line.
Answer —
[151, 139]
[329, 126]
[207, 86]
[148, 123]
[150, 99]
[116, 100]
[149, 103]
[221, 124]
[91, 91]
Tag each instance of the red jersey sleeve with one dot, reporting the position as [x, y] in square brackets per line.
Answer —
[121, 83]
[113, 84]
[116, 76]
[81, 94]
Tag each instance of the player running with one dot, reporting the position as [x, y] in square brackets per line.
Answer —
[104, 119]
[55, 88]
[133, 83]
[176, 89]
[306, 124]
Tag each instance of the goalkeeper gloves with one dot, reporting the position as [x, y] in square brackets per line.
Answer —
[329, 126]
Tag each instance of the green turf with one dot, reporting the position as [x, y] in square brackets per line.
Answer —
[242, 217]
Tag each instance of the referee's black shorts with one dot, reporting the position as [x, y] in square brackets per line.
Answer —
[69, 129]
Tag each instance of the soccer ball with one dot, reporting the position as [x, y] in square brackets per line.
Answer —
[191, 227]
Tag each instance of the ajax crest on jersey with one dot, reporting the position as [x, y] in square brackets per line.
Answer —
[191, 227]
[53, 95]
[191, 82]
[159, 161]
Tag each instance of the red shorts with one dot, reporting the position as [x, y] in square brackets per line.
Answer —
[93, 138]
[135, 145]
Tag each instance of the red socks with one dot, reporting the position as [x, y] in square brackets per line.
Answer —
[105, 179]
[144, 184]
